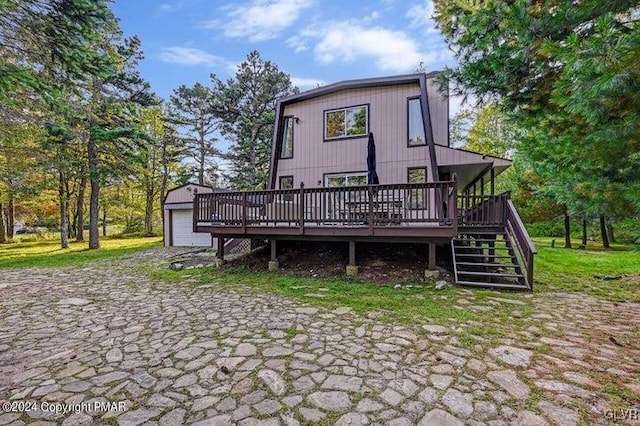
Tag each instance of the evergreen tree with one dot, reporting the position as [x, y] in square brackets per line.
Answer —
[567, 73]
[246, 105]
[193, 112]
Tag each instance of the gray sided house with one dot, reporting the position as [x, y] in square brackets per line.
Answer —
[324, 143]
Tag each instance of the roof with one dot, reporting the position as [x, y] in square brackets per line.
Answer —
[196, 185]
[356, 84]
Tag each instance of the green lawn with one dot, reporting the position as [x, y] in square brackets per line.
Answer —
[556, 269]
[560, 269]
[49, 253]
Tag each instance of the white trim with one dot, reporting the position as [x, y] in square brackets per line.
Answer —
[178, 206]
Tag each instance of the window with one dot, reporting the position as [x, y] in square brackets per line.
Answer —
[346, 122]
[416, 127]
[287, 138]
[417, 197]
[286, 182]
[336, 201]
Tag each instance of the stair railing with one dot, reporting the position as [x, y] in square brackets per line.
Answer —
[524, 245]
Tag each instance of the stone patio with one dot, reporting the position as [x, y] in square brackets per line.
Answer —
[130, 351]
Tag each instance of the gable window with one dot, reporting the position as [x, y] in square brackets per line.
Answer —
[346, 122]
[287, 138]
[417, 197]
[416, 127]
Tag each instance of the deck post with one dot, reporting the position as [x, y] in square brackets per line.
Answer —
[220, 252]
[301, 207]
[274, 265]
[352, 268]
[432, 256]
[493, 179]
[196, 207]
[492, 248]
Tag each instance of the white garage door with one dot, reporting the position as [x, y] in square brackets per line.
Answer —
[183, 234]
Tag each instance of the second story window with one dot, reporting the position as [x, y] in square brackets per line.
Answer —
[416, 127]
[346, 122]
[287, 138]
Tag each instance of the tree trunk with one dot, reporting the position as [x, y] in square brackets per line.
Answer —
[203, 153]
[610, 231]
[94, 196]
[567, 229]
[165, 175]
[80, 206]
[3, 233]
[201, 166]
[603, 232]
[104, 220]
[148, 210]
[64, 211]
[11, 217]
[583, 245]
[71, 233]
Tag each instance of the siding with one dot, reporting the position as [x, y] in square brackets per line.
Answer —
[387, 120]
[439, 112]
[184, 194]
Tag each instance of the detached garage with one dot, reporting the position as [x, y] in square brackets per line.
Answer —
[178, 217]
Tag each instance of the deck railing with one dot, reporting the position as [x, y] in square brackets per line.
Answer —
[361, 206]
[482, 210]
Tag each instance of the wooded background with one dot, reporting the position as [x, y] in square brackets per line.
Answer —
[85, 143]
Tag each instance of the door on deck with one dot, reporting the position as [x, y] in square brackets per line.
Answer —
[339, 203]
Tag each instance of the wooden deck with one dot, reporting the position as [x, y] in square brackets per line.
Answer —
[403, 212]
[430, 213]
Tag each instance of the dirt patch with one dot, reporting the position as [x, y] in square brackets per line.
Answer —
[378, 262]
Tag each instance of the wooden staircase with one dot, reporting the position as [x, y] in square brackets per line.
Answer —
[492, 248]
[488, 259]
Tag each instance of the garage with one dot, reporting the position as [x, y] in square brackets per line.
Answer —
[183, 236]
[178, 218]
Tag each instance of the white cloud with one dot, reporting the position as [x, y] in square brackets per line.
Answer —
[298, 43]
[307, 83]
[262, 19]
[189, 56]
[171, 6]
[420, 16]
[348, 41]
[372, 17]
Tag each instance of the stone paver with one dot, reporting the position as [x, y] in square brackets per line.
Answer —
[173, 354]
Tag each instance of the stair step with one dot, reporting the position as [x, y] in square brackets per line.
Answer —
[497, 265]
[491, 256]
[483, 247]
[489, 240]
[499, 231]
[494, 285]
[491, 274]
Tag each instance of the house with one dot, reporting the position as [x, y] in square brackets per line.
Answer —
[178, 217]
[428, 192]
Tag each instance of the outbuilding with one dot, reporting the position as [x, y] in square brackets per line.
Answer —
[178, 217]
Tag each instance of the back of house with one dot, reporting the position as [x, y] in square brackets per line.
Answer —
[321, 135]
[327, 142]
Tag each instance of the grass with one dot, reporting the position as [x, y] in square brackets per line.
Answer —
[574, 270]
[47, 253]
[404, 305]
[557, 270]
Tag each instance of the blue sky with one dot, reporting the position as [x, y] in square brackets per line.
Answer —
[314, 41]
